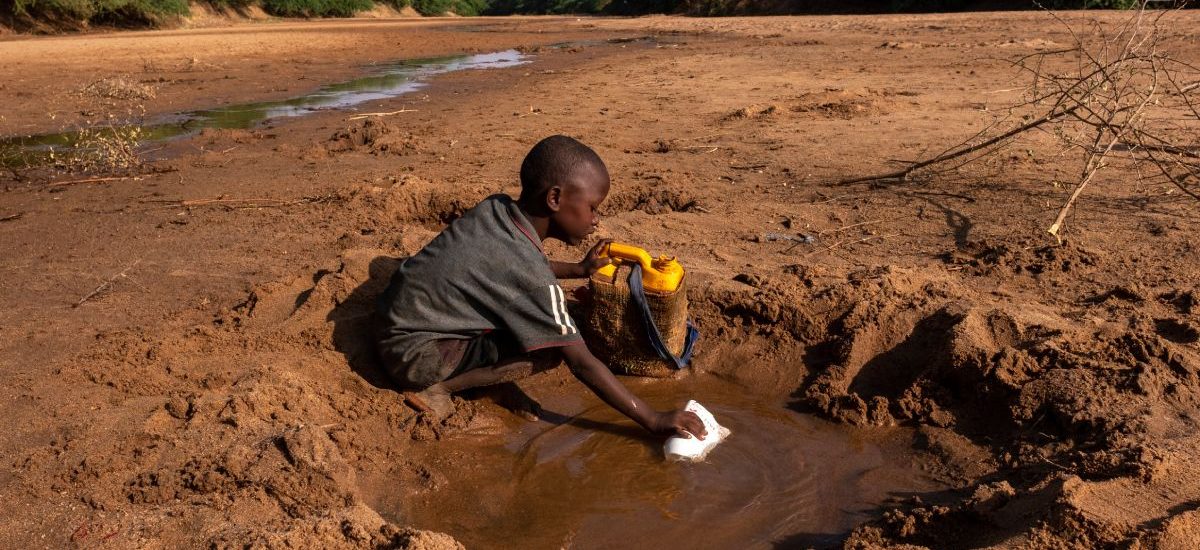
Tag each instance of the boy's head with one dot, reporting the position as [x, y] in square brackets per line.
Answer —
[565, 181]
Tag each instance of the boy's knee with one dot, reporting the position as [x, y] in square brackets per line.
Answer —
[545, 359]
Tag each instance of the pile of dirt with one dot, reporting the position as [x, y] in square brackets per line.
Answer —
[399, 205]
[839, 104]
[753, 111]
[119, 87]
[656, 197]
[374, 136]
[1055, 406]
[989, 258]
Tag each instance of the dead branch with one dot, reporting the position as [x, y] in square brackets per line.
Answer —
[90, 180]
[1112, 92]
[845, 227]
[232, 202]
[960, 151]
[106, 284]
[390, 113]
[850, 242]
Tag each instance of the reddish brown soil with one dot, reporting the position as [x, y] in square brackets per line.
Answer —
[217, 391]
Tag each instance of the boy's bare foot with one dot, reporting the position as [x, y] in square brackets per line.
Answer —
[434, 400]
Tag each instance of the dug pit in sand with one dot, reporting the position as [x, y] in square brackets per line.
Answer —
[584, 477]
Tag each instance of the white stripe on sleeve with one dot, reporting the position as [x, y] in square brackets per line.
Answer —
[554, 306]
[562, 301]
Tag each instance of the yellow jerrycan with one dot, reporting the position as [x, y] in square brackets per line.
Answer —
[637, 321]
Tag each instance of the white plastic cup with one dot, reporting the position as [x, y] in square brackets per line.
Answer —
[694, 449]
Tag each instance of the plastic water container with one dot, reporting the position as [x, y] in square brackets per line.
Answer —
[614, 322]
[694, 449]
[661, 275]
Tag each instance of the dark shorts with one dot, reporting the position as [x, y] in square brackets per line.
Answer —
[427, 363]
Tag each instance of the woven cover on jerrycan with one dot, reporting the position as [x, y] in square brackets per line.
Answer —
[614, 326]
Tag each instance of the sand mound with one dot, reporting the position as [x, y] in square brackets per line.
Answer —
[839, 104]
[753, 111]
[402, 207]
[372, 135]
[1046, 396]
[659, 197]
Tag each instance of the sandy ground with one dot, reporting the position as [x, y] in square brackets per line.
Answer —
[217, 390]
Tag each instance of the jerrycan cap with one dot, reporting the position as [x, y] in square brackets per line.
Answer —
[666, 264]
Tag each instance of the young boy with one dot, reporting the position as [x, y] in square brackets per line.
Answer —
[481, 304]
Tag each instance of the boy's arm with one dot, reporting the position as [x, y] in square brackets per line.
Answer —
[585, 267]
[596, 376]
[567, 270]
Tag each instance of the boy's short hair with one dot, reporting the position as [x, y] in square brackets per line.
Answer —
[552, 161]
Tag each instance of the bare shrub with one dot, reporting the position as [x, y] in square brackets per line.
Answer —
[1115, 97]
[109, 146]
[119, 87]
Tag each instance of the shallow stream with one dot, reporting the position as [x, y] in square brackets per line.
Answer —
[591, 479]
[383, 81]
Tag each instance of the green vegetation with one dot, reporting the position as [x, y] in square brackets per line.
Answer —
[316, 8]
[236, 4]
[461, 7]
[505, 7]
[124, 13]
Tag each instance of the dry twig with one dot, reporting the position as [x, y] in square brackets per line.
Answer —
[845, 227]
[850, 242]
[90, 180]
[106, 284]
[390, 113]
[233, 202]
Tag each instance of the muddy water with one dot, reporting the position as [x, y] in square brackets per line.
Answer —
[584, 477]
[384, 81]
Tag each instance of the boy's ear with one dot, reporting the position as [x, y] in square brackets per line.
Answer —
[554, 198]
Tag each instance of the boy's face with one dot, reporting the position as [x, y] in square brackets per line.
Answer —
[575, 206]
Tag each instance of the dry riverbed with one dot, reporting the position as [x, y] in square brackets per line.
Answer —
[182, 354]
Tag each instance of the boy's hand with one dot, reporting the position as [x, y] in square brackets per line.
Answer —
[682, 423]
[593, 260]
[600, 380]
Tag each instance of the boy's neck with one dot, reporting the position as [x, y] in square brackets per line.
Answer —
[541, 224]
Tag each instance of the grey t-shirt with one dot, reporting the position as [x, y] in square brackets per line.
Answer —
[485, 272]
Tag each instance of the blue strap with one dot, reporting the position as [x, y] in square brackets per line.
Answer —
[638, 293]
